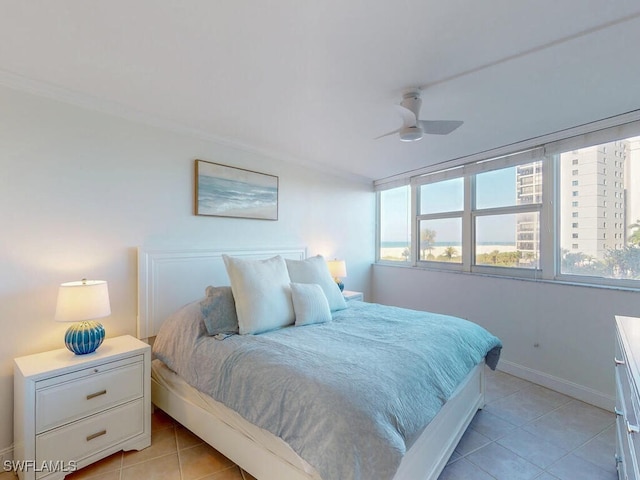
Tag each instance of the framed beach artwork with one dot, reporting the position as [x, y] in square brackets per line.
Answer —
[225, 191]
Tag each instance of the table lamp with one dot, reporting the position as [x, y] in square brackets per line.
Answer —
[338, 269]
[82, 302]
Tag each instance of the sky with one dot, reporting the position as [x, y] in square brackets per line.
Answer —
[493, 189]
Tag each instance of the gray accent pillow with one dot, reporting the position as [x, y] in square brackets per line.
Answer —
[219, 311]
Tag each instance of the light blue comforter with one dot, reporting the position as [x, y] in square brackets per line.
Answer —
[349, 396]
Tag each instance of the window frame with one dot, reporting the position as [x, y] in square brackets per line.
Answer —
[548, 150]
[469, 214]
[418, 217]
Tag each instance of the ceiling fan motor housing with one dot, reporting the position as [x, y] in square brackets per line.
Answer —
[411, 101]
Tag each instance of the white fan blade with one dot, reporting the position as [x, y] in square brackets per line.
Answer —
[387, 134]
[408, 117]
[439, 127]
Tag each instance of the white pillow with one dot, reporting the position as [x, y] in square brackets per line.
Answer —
[315, 270]
[309, 304]
[261, 292]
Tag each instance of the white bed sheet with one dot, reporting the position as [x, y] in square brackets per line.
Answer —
[173, 382]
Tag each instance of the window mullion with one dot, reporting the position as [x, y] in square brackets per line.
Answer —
[415, 234]
[531, 207]
[549, 218]
[468, 227]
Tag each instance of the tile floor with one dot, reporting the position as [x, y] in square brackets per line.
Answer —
[529, 432]
[525, 432]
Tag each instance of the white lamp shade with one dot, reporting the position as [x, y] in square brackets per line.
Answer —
[338, 268]
[84, 300]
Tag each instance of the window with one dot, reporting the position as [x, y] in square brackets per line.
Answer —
[440, 240]
[503, 212]
[395, 225]
[487, 216]
[507, 216]
[440, 220]
[596, 258]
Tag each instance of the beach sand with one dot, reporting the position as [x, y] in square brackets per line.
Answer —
[395, 253]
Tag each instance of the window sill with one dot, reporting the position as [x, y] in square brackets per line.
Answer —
[572, 283]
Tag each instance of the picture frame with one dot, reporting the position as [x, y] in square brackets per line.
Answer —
[225, 191]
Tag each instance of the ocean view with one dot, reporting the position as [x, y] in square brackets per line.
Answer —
[395, 250]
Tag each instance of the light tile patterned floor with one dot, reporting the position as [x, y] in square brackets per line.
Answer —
[525, 432]
[528, 432]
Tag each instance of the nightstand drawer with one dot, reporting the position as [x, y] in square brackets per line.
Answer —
[88, 391]
[85, 437]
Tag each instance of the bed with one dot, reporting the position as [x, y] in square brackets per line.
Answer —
[204, 397]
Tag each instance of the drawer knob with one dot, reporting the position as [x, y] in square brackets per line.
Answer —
[618, 362]
[97, 394]
[632, 428]
[96, 435]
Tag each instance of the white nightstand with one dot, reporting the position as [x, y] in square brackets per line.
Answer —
[350, 295]
[72, 410]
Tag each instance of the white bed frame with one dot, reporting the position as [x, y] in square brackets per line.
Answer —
[170, 278]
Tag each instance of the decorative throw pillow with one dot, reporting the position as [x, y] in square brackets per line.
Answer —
[261, 292]
[219, 311]
[309, 304]
[315, 270]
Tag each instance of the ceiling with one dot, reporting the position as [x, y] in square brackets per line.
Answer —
[315, 81]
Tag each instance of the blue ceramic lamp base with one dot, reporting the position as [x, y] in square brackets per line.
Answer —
[84, 337]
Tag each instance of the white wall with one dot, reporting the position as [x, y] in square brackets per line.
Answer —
[80, 190]
[572, 326]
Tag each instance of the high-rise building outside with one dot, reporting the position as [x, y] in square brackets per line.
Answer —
[529, 190]
[632, 185]
[592, 187]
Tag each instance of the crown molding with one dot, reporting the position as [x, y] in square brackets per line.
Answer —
[90, 102]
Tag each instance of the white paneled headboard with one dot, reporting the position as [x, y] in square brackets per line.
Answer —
[171, 278]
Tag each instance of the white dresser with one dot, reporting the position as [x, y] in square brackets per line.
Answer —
[627, 367]
[72, 410]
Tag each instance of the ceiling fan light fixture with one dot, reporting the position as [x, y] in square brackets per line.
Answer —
[411, 134]
[413, 129]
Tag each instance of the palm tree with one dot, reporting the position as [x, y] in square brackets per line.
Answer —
[449, 253]
[634, 239]
[427, 238]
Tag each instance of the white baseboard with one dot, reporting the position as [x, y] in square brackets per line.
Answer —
[580, 392]
[6, 455]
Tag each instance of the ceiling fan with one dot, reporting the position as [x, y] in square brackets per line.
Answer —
[412, 128]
